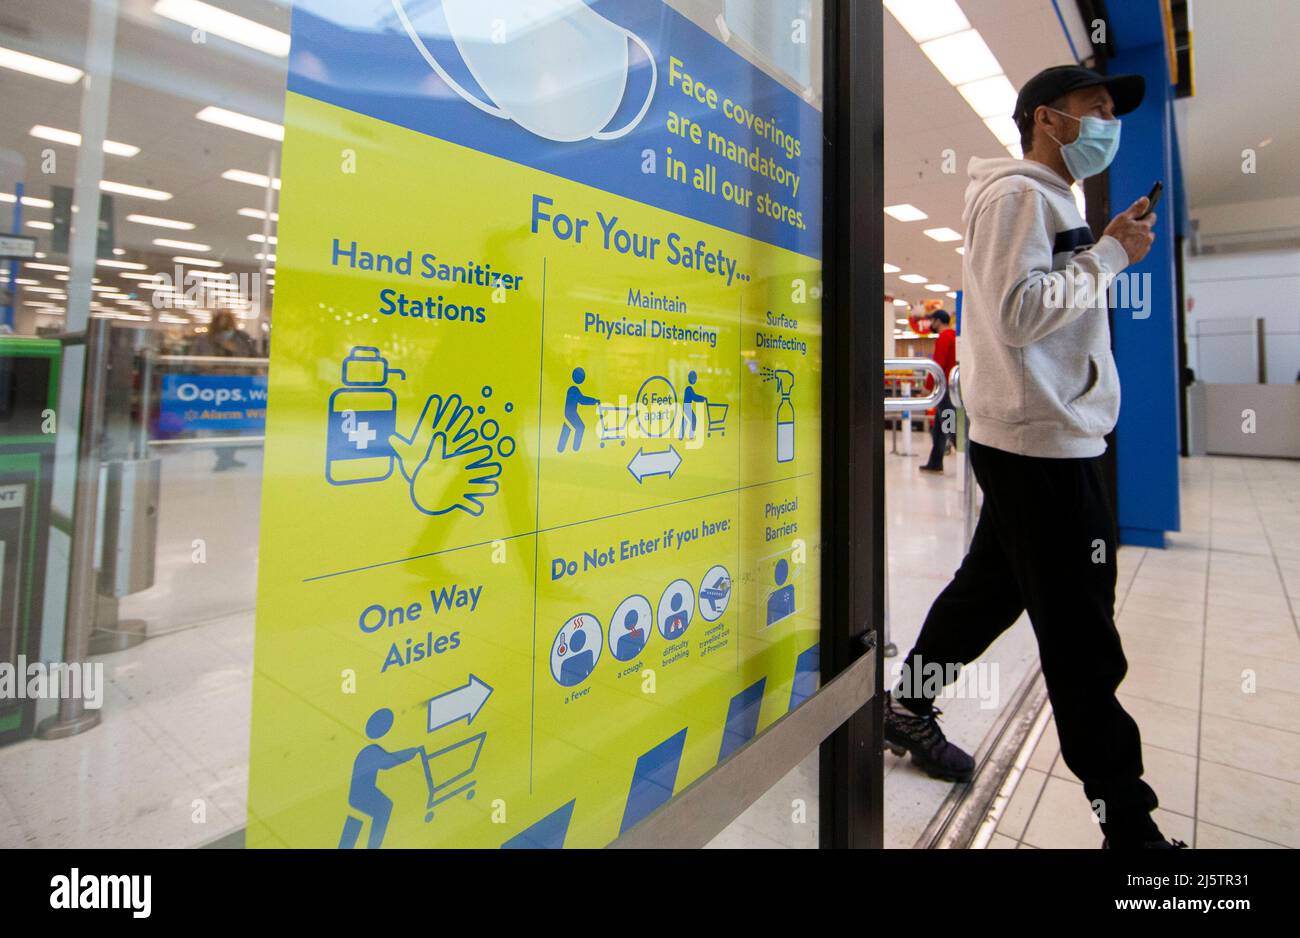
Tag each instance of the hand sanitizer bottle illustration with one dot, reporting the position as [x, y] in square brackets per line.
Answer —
[785, 417]
[362, 417]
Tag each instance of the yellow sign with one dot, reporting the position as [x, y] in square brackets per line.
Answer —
[541, 516]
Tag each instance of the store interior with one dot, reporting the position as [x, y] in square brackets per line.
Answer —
[189, 176]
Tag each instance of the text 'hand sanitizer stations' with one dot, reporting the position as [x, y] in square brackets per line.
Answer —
[784, 413]
[362, 418]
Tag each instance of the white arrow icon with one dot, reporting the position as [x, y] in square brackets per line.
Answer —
[463, 703]
[644, 465]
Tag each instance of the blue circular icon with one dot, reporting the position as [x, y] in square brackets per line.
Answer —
[715, 593]
[576, 650]
[629, 628]
[676, 610]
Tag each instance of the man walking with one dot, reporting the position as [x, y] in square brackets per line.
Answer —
[1041, 389]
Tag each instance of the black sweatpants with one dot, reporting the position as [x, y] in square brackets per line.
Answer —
[1046, 543]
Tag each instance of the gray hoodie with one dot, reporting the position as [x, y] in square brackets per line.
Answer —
[1038, 377]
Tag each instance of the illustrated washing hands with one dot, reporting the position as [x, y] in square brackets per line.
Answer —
[445, 461]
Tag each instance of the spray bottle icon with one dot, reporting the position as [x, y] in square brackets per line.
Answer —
[784, 413]
[362, 418]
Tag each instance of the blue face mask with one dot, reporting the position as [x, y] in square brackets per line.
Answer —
[1094, 150]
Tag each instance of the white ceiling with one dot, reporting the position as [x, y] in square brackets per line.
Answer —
[925, 116]
[162, 79]
[1247, 91]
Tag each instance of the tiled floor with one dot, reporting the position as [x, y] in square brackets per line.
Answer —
[168, 767]
[1210, 630]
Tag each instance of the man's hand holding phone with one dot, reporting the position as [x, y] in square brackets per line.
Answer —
[1135, 227]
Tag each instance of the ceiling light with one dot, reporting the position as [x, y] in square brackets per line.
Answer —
[121, 188]
[29, 201]
[891, 269]
[961, 250]
[196, 261]
[990, 97]
[182, 245]
[258, 214]
[241, 122]
[72, 139]
[265, 257]
[938, 287]
[902, 303]
[962, 57]
[1004, 128]
[905, 212]
[160, 222]
[943, 234]
[41, 68]
[952, 295]
[227, 25]
[261, 239]
[41, 225]
[914, 278]
[251, 179]
[928, 19]
[121, 265]
[901, 322]
[57, 268]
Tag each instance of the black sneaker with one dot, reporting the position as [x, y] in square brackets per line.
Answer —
[1160, 844]
[937, 470]
[931, 751]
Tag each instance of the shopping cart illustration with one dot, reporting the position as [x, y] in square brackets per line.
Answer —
[718, 419]
[613, 423]
[448, 771]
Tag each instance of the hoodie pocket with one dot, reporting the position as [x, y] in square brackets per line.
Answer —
[1097, 407]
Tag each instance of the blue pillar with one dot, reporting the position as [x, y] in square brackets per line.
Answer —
[1146, 330]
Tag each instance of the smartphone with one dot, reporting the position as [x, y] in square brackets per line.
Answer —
[1157, 191]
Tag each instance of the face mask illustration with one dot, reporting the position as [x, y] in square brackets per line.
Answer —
[555, 67]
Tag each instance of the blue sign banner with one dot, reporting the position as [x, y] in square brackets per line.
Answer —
[682, 127]
[233, 403]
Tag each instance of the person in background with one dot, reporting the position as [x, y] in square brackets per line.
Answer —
[1042, 392]
[224, 339]
[945, 417]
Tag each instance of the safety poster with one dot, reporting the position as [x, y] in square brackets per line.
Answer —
[541, 517]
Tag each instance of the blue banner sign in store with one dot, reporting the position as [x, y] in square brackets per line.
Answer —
[235, 403]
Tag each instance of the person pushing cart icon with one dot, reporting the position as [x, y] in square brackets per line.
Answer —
[447, 773]
[364, 796]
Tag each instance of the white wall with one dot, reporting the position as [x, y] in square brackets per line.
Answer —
[1261, 285]
[1267, 215]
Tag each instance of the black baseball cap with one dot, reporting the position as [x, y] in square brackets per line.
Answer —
[1052, 84]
